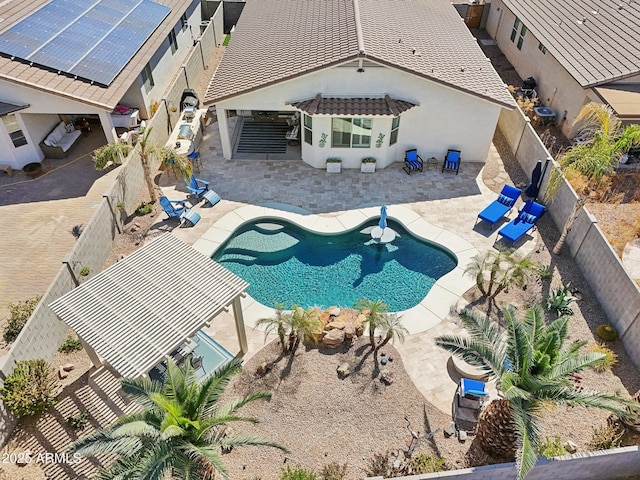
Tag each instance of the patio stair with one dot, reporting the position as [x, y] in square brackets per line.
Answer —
[263, 137]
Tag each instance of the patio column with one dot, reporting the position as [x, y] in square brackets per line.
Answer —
[240, 329]
[107, 127]
[225, 140]
[93, 356]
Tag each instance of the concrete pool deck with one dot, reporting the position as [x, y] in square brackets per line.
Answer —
[444, 202]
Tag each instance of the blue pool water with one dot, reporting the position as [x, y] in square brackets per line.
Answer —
[284, 263]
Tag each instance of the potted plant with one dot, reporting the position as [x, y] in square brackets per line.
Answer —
[368, 165]
[84, 271]
[334, 165]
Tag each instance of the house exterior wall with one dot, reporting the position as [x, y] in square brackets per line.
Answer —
[556, 88]
[165, 64]
[443, 118]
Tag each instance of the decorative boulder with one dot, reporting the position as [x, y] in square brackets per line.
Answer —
[570, 446]
[263, 368]
[333, 338]
[336, 324]
[386, 378]
[62, 374]
[349, 332]
[334, 312]
[67, 367]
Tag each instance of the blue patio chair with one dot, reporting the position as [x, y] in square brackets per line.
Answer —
[412, 161]
[197, 187]
[471, 394]
[171, 210]
[452, 161]
[500, 207]
[526, 220]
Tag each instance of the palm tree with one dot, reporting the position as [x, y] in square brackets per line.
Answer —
[304, 327]
[110, 154]
[180, 430]
[531, 364]
[503, 269]
[374, 311]
[145, 153]
[391, 329]
[278, 322]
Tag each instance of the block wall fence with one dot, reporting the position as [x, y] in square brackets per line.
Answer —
[44, 332]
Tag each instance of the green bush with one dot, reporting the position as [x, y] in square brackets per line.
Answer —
[19, 313]
[71, 344]
[297, 473]
[608, 361]
[424, 463]
[31, 388]
[144, 209]
[334, 471]
[605, 437]
[79, 421]
[552, 447]
[545, 272]
[606, 333]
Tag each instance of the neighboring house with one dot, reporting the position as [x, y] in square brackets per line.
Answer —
[363, 78]
[577, 50]
[62, 60]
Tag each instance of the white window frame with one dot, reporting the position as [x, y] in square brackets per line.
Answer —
[358, 122]
[393, 136]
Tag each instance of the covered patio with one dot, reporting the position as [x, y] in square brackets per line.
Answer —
[137, 312]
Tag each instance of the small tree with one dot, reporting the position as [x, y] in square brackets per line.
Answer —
[146, 151]
[304, 326]
[500, 269]
[110, 154]
[31, 389]
[278, 322]
[374, 312]
[19, 314]
[392, 329]
[172, 159]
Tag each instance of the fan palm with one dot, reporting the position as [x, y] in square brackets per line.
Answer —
[303, 325]
[180, 430]
[532, 365]
[374, 311]
[278, 323]
[391, 329]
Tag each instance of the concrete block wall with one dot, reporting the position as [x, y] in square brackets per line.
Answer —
[615, 290]
[609, 464]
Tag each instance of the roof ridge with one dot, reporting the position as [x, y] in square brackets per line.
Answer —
[359, 36]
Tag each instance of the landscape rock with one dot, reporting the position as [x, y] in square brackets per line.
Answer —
[349, 332]
[336, 324]
[333, 338]
[67, 367]
[263, 368]
[344, 369]
[570, 446]
[62, 374]
[386, 378]
[335, 311]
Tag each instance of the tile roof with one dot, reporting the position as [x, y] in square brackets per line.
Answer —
[277, 40]
[593, 40]
[7, 108]
[48, 81]
[386, 105]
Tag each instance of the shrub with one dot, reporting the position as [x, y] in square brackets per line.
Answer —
[333, 160]
[297, 473]
[71, 344]
[30, 389]
[605, 437]
[19, 313]
[424, 463]
[559, 301]
[144, 209]
[79, 421]
[334, 471]
[379, 466]
[552, 447]
[606, 333]
[368, 160]
[545, 272]
[609, 360]
[84, 271]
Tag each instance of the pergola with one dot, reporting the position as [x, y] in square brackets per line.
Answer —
[139, 310]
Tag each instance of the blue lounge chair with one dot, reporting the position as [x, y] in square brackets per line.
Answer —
[197, 187]
[412, 162]
[500, 207]
[472, 388]
[526, 220]
[171, 210]
[452, 161]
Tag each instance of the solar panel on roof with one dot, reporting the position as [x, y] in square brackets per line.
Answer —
[91, 41]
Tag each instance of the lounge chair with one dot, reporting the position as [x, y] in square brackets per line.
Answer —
[171, 210]
[471, 393]
[412, 162]
[500, 207]
[197, 187]
[452, 161]
[526, 220]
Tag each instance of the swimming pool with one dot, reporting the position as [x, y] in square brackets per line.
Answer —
[285, 263]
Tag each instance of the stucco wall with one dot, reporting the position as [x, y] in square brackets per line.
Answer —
[610, 464]
[556, 88]
[443, 118]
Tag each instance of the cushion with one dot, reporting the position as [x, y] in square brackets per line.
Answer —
[53, 143]
[451, 165]
[47, 142]
[412, 155]
[477, 393]
[69, 127]
[503, 199]
[527, 217]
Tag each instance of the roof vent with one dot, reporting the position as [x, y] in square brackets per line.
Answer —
[596, 11]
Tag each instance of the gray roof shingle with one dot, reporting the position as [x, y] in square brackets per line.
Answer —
[353, 106]
[596, 41]
[277, 40]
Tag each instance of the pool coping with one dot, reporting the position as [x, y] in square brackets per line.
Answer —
[433, 308]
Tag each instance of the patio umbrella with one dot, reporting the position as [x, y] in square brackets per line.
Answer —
[532, 189]
[383, 217]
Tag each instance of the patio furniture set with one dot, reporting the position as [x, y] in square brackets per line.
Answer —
[199, 189]
[414, 162]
